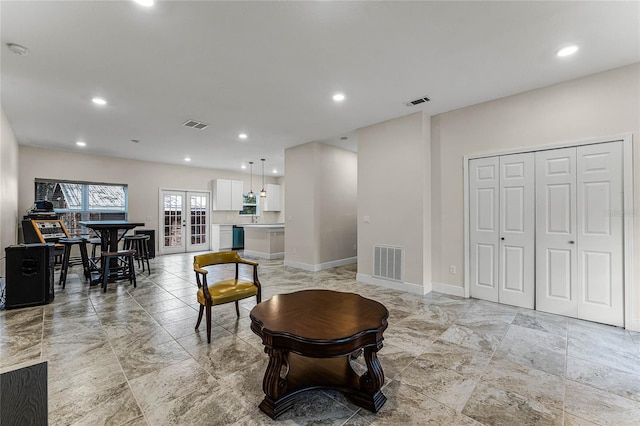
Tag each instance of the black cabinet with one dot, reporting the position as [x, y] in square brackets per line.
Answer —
[30, 275]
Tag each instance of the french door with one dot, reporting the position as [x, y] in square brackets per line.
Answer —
[185, 221]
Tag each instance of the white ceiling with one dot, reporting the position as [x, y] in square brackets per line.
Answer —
[270, 68]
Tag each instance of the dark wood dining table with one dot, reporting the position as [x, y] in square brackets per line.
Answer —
[110, 231]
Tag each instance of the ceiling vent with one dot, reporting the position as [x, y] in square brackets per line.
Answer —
[418, 101]
[195, 124]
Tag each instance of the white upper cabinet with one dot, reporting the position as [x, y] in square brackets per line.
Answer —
[237, 190]
[227, 194]
[273, 201]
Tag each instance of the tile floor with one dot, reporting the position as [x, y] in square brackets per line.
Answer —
[131, 356]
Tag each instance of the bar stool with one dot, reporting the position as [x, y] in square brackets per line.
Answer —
[128, 270]
[140, 243]
[95, 242]
[68, 243]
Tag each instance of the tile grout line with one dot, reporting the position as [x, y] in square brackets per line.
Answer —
[564, 380]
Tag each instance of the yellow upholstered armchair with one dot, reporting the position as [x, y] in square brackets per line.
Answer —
[225, 291]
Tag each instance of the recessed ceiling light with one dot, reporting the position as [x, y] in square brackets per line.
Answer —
[147, 3]
[18, 49]
[567, 51]
[99, 101]
[244, 166]
[187, 159]
[242, 136]
[338, 97]
[80, 143]
[275, 170]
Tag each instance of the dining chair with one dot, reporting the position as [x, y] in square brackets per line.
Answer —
[224, 291]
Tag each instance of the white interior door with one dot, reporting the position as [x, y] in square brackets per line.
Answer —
[483, 227]
[599, 233]
[185, 220]
[556, 260]
[516, 263]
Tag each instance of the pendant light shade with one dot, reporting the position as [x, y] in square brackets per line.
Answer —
[251, 194]
[263, 192]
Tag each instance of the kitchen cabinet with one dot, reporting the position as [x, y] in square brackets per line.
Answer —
[221, 237]
[273, 201]
[227, 194]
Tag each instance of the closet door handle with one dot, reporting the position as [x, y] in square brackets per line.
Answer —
[572, 242]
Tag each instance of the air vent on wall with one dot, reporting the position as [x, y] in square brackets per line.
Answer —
[388, 262]
[418, 101]
[195, 124]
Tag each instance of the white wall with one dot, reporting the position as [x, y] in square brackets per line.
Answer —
[8, 189]
[143, 179]
[601, 105]
[321, 205]
[337, 204]
[393, 190]
[300, 230]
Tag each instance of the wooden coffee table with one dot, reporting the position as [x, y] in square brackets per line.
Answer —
[313, 339]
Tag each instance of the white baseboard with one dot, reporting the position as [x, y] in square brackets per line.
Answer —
[262, 255]
[448, 289]
[634, 326]
[320, 266]
[396, 285]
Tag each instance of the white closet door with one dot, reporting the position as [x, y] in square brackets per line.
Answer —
[483, 227]
[599, 220]
[517, 230]
[556, 262]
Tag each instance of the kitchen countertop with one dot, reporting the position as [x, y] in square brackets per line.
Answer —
[263, 225]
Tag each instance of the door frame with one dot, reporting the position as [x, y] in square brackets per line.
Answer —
[161, 218]
[631, 317]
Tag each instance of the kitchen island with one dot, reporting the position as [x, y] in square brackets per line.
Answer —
[264, 240]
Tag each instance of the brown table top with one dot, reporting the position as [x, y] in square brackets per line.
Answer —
[110, 224]
[320, 317]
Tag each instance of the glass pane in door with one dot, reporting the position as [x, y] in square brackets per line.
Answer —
[172, 220]
[198, 219]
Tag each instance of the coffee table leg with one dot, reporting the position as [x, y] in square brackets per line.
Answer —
[371, 382]
[274, 384]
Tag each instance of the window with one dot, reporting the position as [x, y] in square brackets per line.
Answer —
[250, 205]
[78, 201]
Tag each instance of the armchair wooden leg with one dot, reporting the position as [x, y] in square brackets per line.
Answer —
[237, 309]
[200, 316]
[208, 323]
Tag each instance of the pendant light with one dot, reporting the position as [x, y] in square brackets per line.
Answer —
[263, 192]
[251, 194]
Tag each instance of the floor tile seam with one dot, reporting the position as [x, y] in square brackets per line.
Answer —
[623, 370]
[564, 379]
[454, 409]
[591, 421]
[615, 395]
[42, 338]
[128, 383]
[193, 358]
[484, 370]
[157, 404]
[336, 400]
[248, 343]
[351, 418]
[635, 401]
